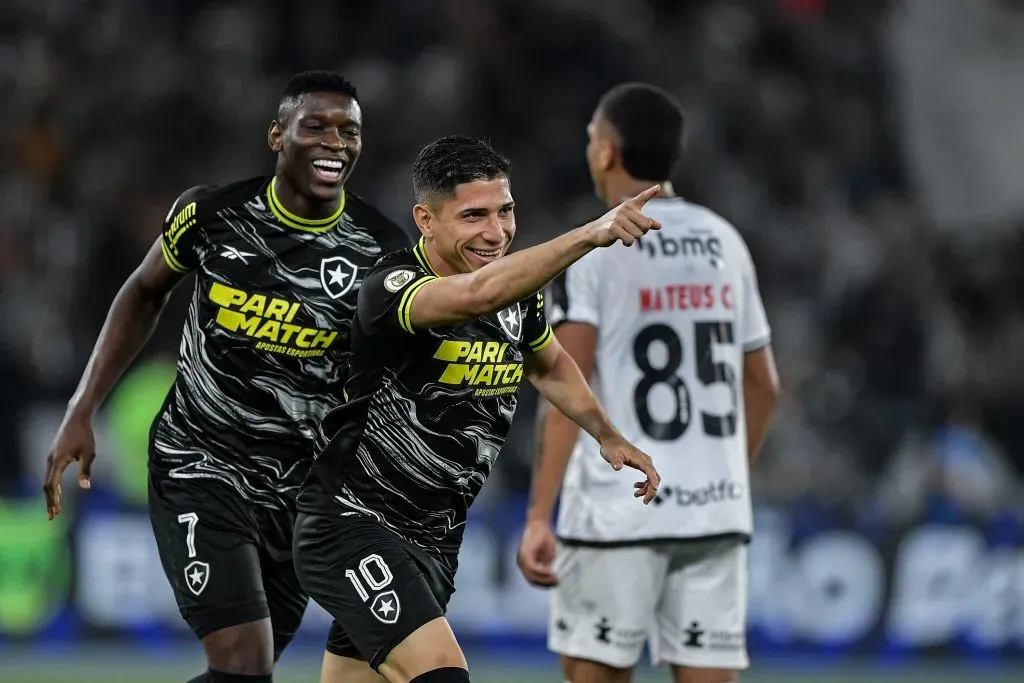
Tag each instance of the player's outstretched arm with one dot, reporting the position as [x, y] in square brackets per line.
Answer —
[760, 393]
[458, 298]
[556, 440]
[130, 321]
[558, 379]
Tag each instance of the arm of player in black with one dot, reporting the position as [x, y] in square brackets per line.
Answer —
[556, 432]
[458, 298]
[760, 393]
[129, 324]
[556, 438]
[559, 380]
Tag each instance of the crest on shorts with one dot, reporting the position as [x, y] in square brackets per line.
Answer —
[337, 275]
[397, 279]
[386, 607]
[511, 321]
[197, 575]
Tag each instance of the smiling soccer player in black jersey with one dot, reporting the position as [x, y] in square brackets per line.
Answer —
[278, 263]
[443, 335]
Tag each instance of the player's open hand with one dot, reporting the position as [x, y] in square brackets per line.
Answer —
[618, 453]
[74, 441]
[626, 222]
[537, 554]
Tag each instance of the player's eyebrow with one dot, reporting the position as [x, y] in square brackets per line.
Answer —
[476, 211]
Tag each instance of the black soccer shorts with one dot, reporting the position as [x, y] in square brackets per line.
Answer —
[378, 587]
[228, 561]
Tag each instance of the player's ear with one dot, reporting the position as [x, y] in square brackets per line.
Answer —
[422, 215]
[275, 136]
[606, 155]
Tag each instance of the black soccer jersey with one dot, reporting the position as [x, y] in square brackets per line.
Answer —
[428, 410]
[265, 346]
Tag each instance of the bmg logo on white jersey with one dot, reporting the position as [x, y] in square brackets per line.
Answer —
[694, 245]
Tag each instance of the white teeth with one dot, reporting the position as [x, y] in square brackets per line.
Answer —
[329, 164]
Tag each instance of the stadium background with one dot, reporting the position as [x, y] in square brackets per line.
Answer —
[870, 151]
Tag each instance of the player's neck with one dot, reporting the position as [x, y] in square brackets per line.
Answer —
[300, 205]
[439, 265]
[620, 189]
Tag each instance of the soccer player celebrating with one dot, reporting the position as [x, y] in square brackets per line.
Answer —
[266, 343]
[675, 329]
[443, 335]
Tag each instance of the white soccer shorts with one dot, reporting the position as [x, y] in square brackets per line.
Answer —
[688, 601]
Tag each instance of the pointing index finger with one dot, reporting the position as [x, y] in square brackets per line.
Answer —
[646, 196]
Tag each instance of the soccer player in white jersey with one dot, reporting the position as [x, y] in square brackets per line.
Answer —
[674, 337]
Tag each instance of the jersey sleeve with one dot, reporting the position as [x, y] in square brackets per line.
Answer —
[182, 236]
[575, 294]
[755, 332]
[537, 333]
[386, 296]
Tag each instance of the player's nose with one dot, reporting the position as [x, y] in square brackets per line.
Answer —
[332, 140]
[493, 232]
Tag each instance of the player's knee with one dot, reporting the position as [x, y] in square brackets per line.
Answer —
[449, 674]
[245, 649]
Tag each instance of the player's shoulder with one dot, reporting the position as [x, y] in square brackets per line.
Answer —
[401, 259]
[706, 219]
[206, 200]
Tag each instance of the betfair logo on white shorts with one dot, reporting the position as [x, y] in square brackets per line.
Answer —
[715, 492]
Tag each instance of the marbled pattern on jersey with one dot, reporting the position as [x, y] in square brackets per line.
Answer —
[265, 346]
[429, 411]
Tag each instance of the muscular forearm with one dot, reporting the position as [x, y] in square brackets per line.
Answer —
[129, 324]
[572, 406]
[517, 276]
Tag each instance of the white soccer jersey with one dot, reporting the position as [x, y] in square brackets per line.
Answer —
[675, 313]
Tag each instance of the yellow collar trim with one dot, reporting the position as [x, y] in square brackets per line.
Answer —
[298, 222]
[420, 252]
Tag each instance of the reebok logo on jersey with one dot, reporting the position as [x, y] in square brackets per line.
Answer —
[230, 253]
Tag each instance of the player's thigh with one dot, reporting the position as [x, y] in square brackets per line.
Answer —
[363, 576]
[701, 619]
[602, 609]
[340, 669]
[208, 545]
[286, 599]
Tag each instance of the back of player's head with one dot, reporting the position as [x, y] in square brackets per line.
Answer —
[444, 164]
[317, 81]
[650, 126]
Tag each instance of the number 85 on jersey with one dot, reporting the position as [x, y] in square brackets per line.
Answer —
[670, 370]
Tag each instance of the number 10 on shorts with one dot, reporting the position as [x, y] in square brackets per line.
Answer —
[373, 577]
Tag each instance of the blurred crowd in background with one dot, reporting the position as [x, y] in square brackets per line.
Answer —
[871, 152]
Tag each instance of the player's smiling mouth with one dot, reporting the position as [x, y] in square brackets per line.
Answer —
[486, 254]
[329, 170]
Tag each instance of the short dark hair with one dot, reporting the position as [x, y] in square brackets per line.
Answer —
[446, 163]
[318, 81]
[650, 124]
